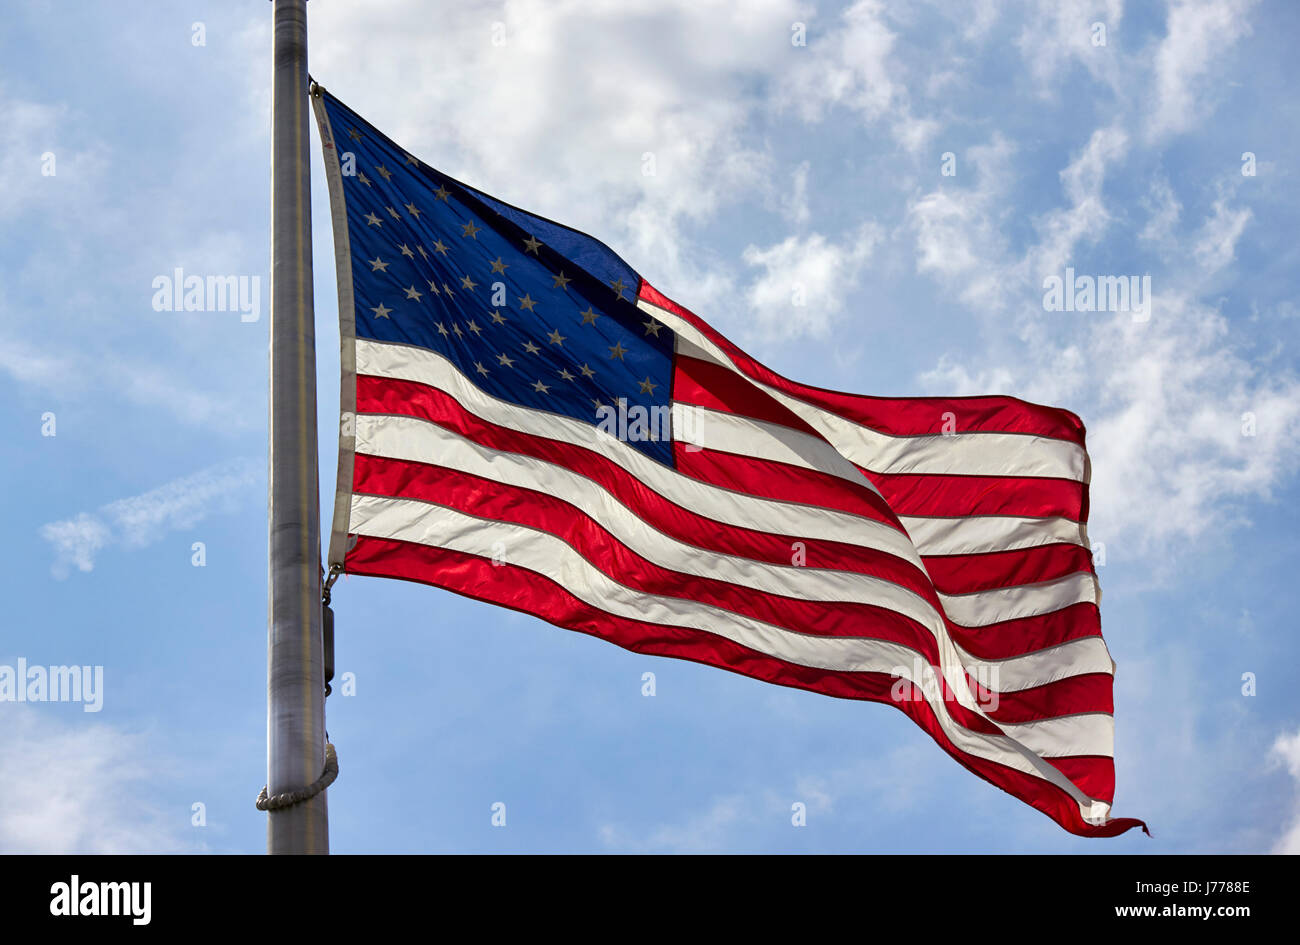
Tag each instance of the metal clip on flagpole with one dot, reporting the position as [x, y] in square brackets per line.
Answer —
[327, 627]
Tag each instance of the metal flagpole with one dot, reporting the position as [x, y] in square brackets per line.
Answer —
[295, 721]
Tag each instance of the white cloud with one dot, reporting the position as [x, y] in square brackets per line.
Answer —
[48, 316]
[1216, 244]
[30, 132]
[805, 282]
[71, 374]
[1164, 208]
[678, 80]
[851, 65]
[703, 832]
[1170, 406]
[83, 788]
[1286, 750]
[1085, 218]
[1058, 34]
[140, 520]
[795, 200]
[1197, 33]
[862, 784]
[956, 228]
[1183, 427]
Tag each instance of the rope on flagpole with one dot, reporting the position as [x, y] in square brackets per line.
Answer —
[290, 798]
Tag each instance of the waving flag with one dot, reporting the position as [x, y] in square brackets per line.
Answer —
[529, 423]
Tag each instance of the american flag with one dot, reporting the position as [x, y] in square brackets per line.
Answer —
[528, 422]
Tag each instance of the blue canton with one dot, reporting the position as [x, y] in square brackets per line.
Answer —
[532, 312]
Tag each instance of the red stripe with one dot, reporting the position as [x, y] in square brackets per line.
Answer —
[1010, 638]
[899, 416]
[965, 574]
[1069, 696]
[706, 384]
[950, 496]
[1093, 774]
[781, 481]
[534, 594]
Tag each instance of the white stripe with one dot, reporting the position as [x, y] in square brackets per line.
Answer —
[979, 534]
[1091, 733]
[545, 554]
[981, 608]
[1079, 657]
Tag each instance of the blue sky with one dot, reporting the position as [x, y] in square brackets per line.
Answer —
[774, 164]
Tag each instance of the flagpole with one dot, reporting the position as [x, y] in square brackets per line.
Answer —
[295, 662]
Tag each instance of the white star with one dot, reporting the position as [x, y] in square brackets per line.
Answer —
[541, 388]
[379, 264]
[373, 220]
[413, 293]
[381, 311]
